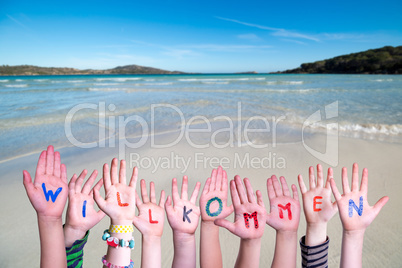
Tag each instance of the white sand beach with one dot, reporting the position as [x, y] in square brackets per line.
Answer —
[382, 240]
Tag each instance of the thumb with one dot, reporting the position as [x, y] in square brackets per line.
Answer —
[225, 224]
[380, 203]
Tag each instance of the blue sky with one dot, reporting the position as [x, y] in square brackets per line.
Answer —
[193, 36]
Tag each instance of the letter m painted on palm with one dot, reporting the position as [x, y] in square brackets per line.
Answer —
[282, 208]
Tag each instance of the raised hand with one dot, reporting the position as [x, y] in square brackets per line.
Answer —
[250, 214]
[356, 215]
[355, 212]
[81, 214]
[284, 210]
[184, 215]
[119, 202]
[214, 197]
[48, 193]
[151, 215]
[317, 205]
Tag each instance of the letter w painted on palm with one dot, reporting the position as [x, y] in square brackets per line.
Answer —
[50, 193]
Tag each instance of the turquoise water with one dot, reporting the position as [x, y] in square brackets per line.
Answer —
[34, 109]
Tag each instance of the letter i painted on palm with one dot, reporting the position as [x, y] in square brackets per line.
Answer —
[84, 209]
[50, 194]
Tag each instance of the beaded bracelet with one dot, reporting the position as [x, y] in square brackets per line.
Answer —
[108, 264]
[121, 229]
[115, 242]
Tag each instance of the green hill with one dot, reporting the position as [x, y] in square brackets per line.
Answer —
[36, 70]
[386, 60]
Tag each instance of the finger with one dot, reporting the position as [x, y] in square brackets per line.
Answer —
[249, 190]
[50, 160]
[41, 166]
[364, 183]
[168, 205]
[226, 224]
[88, 184]
[184, 186]
[212, 186]
[260, 201]
[224, 186]
[194, 196]
[219, 178]
[106, 177]
[134, 178]
[355, 178]
[320, 177]
[311, 177]
[206, 187]
[302, 186]
[330, 175]
[175, 191]
[56, 168]
[162, 199]
[284, 186]
[63, 173]
[270, 189]
[345, 181]
[138, 201]
[380, 203]
[277, 186]
[295, 193]
[335, 190]
[113, 172]
[100, 201]
[27, 181]
[98, 185]
[240, 190]
[71, 185]
[78, 183]
[234, 194]
[152, 192]
[122, 173]
[144, 193]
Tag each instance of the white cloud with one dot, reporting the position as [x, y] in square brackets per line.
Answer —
[276, 31]
[250, 37]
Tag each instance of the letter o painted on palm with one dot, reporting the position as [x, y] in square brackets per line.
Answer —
[216, 213]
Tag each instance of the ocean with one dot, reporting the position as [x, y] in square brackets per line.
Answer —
[98, 110]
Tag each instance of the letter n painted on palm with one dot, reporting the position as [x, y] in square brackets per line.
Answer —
[282, 208]
[352, 206]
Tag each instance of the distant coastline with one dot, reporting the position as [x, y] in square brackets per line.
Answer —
[386, 60]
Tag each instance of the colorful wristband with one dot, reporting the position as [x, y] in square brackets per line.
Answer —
[121, 229]
[108, 264]
[115, 242]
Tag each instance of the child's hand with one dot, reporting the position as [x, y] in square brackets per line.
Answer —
[184, 215]
[214, 197]
[250, 215]
[151, 215]
[48, 193]
[284, 210]
[354, 210]
[81, 214]
[120, 197]
[317, 205]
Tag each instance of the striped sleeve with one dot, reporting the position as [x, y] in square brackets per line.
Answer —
[316, 256]
[75, 253]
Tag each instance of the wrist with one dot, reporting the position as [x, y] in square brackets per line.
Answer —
[316, 234]
[72, 234]
[50, 219]
[354, 233]
[152, 239]
[183, 237]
